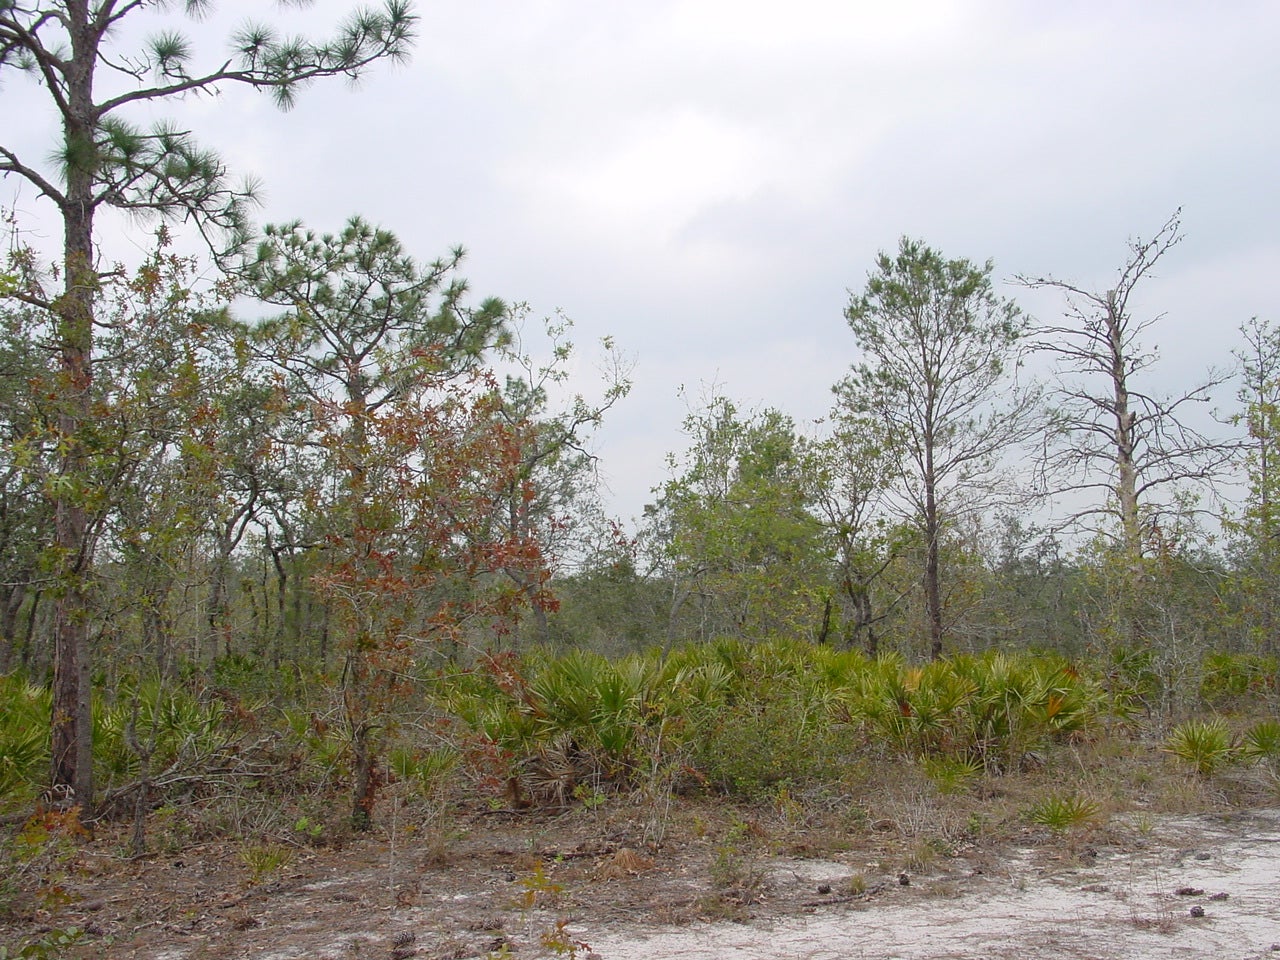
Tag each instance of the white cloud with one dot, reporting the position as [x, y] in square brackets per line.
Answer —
[704, 179]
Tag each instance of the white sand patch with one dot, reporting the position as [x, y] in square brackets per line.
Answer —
[1126, 909]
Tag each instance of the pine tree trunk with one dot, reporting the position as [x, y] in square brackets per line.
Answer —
[932, 573]
[72, 730]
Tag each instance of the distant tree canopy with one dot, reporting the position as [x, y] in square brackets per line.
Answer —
[742, 549]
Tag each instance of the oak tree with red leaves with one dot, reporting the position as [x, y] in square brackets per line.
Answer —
[386, 364]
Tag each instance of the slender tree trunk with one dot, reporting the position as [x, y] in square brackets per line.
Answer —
[258, 624]
[679, 597]
[219, 614]
[324, 633]
[282, 600]
[1126, 467]
[1126, 477]
[932, 575]
[365, 777]
[229, 533]
[824, 628]
[360, 697]
[863, 622]
[301, 625]
[14, 598]
[1266, 509]
[72, 731]
[519, 526]
[29, 635]
[1267, 547]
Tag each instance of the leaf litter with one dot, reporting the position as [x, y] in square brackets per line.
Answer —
[570, 886]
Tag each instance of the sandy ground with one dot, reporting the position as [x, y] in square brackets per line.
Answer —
[574, 886]
[1214, 893]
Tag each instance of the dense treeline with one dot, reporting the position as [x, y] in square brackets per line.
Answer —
[239, 466]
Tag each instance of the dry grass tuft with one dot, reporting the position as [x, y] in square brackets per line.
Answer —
[625, 863]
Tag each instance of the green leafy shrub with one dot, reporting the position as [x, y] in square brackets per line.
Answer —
[988, 709]
[318, 753]
[1231, 677]
[1132, 681]
[951, 775]
[1020, 702]
[745, 717]
[600, 703]
[45, 947]
[264, 860]
[750, 749]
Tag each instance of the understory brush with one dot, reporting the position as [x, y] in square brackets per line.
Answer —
[826, 742]
[729, 756]
[24, 740]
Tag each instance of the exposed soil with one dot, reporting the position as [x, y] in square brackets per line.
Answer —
[594, 883]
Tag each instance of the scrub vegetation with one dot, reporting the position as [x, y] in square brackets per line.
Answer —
[302, 541]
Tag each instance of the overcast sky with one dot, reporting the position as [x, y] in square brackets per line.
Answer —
[706, 180]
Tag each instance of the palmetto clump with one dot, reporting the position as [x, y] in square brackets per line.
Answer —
[1205, 744]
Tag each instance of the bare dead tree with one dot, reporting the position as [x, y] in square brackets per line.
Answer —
[1111, 436]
